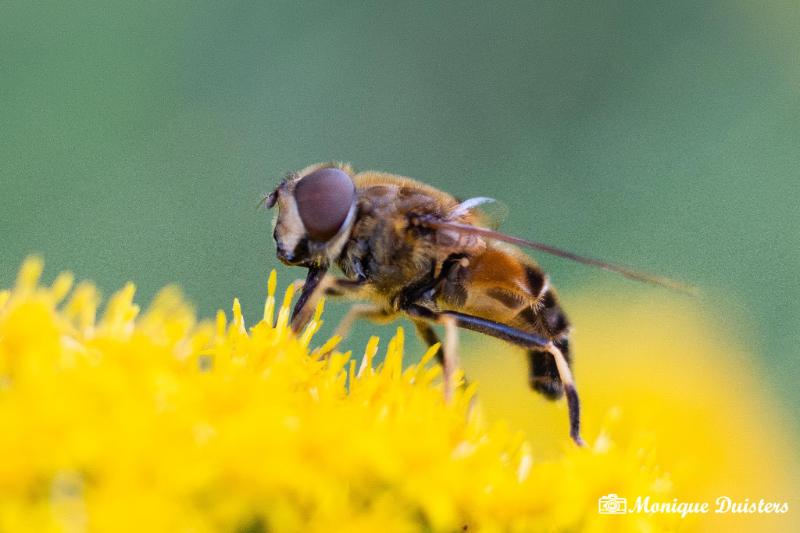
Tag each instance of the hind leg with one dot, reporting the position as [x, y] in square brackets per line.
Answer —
[514, 336]
[543, 374]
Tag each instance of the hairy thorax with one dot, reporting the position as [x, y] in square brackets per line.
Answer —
[385, 249]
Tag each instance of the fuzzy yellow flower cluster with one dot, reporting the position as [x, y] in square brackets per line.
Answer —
[154, 421]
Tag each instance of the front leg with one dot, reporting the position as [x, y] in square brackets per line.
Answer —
[319, 283]
[312, 288]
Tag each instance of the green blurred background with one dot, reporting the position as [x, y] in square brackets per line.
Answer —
[137, 138]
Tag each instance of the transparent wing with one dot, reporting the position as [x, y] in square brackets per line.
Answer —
[489, 213]
[469, 229]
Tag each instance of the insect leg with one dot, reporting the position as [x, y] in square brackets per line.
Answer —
[447, 354]
[316, 284]
[370, 312]
[520, 338]
[343, 287]
[543, 373]
[429, 337]
[450, 360]
[426, 333]
[304, 308]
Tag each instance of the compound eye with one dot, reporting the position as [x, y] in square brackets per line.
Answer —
[324, 198]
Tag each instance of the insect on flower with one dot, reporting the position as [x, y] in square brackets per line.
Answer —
[411, 250]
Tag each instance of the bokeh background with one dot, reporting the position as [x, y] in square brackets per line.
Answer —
[137, 138]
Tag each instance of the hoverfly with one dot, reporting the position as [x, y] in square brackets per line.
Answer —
[414, 251]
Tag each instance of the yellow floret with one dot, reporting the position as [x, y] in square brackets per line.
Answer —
[154, 421]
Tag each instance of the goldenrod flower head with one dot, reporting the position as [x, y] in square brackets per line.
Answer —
[154, 421]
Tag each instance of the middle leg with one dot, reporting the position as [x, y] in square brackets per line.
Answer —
[429, 337]
[446, 354]
[370, 312]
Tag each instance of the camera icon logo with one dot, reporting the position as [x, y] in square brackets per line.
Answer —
[612, 504]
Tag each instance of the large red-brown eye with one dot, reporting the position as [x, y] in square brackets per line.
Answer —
[323, 200]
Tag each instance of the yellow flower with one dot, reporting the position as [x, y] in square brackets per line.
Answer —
[154, 421]
[654, 368]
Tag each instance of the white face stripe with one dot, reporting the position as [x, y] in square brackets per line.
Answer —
[336, 244]
[289, 227]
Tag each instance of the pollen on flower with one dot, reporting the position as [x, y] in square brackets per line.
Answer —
[157, 421]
